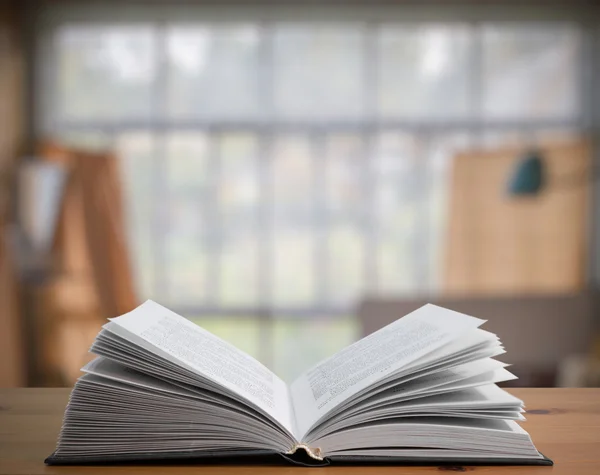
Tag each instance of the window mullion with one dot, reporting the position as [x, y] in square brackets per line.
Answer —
[265, 157]
[264, 220]
[586, 73]
[477, 92]
[369, 140]
[160, 182]
[212, 206]
[321, 220]
[421, 245]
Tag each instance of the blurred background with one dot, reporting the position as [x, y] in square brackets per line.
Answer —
[294, 175]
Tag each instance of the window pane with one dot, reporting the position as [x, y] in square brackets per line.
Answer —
[398, 193]
[530, 71]
[345, 266]
[105, 72]
[292, 178]
[423, 71]
[318, 71]
[300, 344]
[239, 192]
[441, 150]
[137, 161]
[187, 227]
[238, 272]
[88, 140]
[239, 196]
[344, 174]
[345, 207]
[213, 71]
[293, 229]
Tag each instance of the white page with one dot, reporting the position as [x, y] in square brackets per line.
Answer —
[182, 342]
[374, 358]
[101, 405]
[476, 338]
[460, 454]
[474, 342]
[137, 383]
[105, 368]
[487, 396]
[466, 375]
[502, 436]
[430, 381]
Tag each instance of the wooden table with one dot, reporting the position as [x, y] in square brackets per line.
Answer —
[564, 425]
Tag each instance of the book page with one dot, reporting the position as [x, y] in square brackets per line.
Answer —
[180, 341]
[373, 358]
[143, 400]
[494, 436]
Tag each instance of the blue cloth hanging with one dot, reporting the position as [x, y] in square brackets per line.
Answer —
[528, 175]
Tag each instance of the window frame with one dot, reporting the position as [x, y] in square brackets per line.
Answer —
[51, 15]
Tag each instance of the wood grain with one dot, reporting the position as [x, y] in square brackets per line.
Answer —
[94, 275]
[504, 245]
[564, 424]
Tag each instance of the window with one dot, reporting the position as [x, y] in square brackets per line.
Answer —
[278, 171]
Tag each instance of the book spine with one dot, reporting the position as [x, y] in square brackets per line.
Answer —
[314, 453]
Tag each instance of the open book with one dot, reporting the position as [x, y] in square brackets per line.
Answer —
[422, 390]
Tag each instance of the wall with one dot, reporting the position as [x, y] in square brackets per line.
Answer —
[12, 372]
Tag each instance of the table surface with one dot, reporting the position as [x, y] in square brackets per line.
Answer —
[564, 425]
